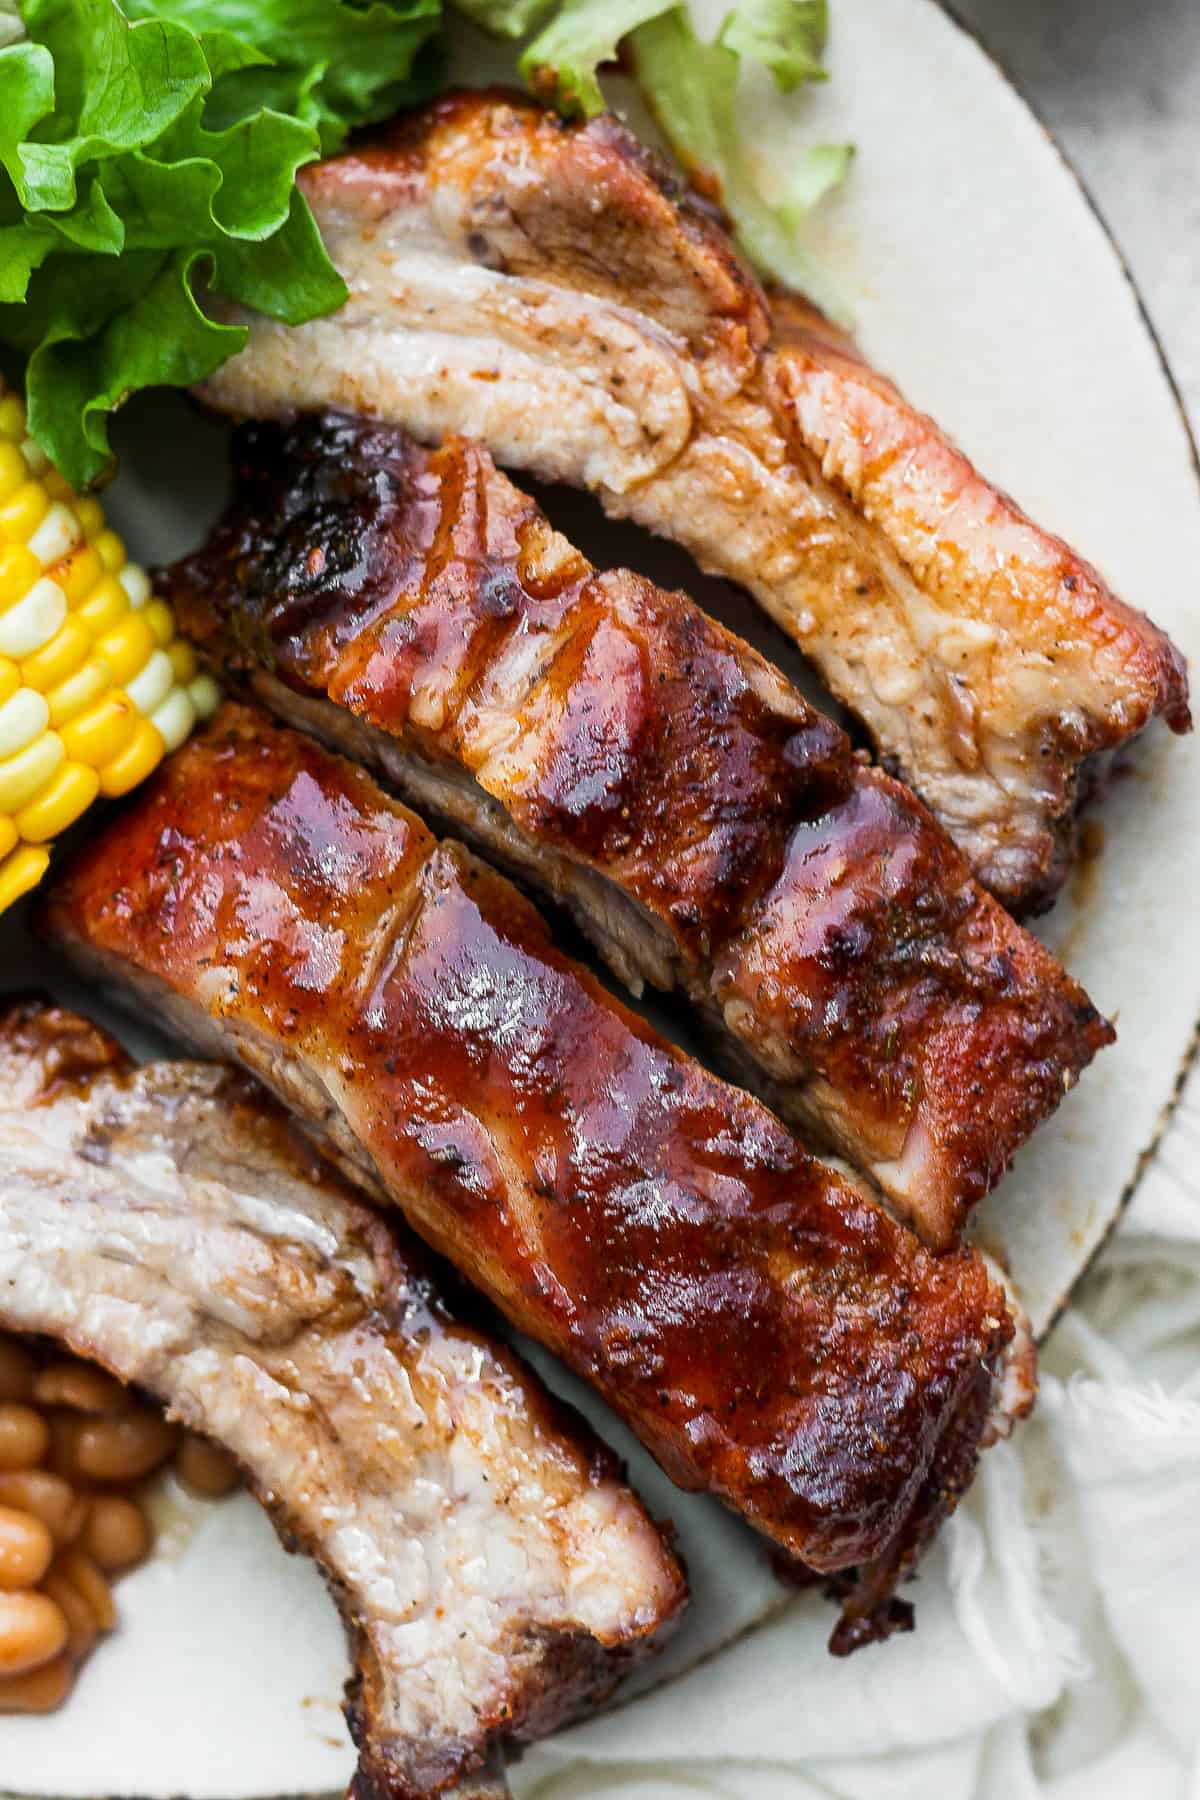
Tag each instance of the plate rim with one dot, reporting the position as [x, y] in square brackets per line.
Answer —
[1191, 1054]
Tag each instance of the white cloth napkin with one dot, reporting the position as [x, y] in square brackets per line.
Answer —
[1055, 1656]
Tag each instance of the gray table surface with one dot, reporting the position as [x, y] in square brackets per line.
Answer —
[1119, 85]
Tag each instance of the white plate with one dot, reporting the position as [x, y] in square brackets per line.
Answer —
[980, 277]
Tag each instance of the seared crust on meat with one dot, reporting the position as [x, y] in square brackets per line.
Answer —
[770, 1333]
[548, 290]
[709, 830]
[492, 1570]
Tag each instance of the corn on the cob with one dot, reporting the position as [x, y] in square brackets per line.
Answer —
[95, 687]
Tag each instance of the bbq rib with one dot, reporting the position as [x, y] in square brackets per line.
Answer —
[770, 1333]
[710, 831]
[546, 290]
[492, 1571]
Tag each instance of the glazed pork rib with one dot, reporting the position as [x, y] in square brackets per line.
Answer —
[607, 740]
[767, 1329]
[546, 290]
[492, 1571]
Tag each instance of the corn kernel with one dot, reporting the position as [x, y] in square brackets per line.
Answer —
[12, 416]
[33, 621]
[10, 679]
[63, 800]
[22, 719]
[56, 485]
[151, 685]
[80, 690]
[8, 835]
[66, 652]
[78, 574]
[205, 696]
[142, 754]
[127, 648]
[90, 514]
[23, 512]
[110, 550]
[56, 536]
[23, 775]
[174, 718]
[183, 660]
[20, 872]
[18, 572]
[136, 582]
[13, 473]
[161, 621]
[104, 607]
[101, 733]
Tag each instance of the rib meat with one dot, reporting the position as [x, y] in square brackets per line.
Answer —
[547, 290]
[710, 831]
[767, 1329]
[492, 1571]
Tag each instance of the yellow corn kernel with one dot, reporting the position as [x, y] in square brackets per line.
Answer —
[142, 754]
[18, 572]
[23, 512]
[78, 573]
[12, 416]
[127, 648]
[23, 775]
[33, 621]
[101, 733]
[183, 660]
[104, 607]
[8, 835]
[205, 696]
[110, 550]
[174, 717]
[151, 685]
[90, 514]
[66, 652]
[161, 621]
[56, 485]
[20, 872]
[60, 803]
[13, 473]
[22, 719]
[10, 679]
[83, 689]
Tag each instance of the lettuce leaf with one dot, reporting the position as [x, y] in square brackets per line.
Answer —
[560, 64]
[149, 150]
[691, 87]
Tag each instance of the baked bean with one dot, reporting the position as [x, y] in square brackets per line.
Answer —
[205, 1467]
[40, 1690]
[82, 1388]
[115, 1533]
[121, 1449]
[32, 1631]
[48, 1497]
[24, 1437]
[82, 1626]
[16, 1371]
[89, 1581]
[25, 1549]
